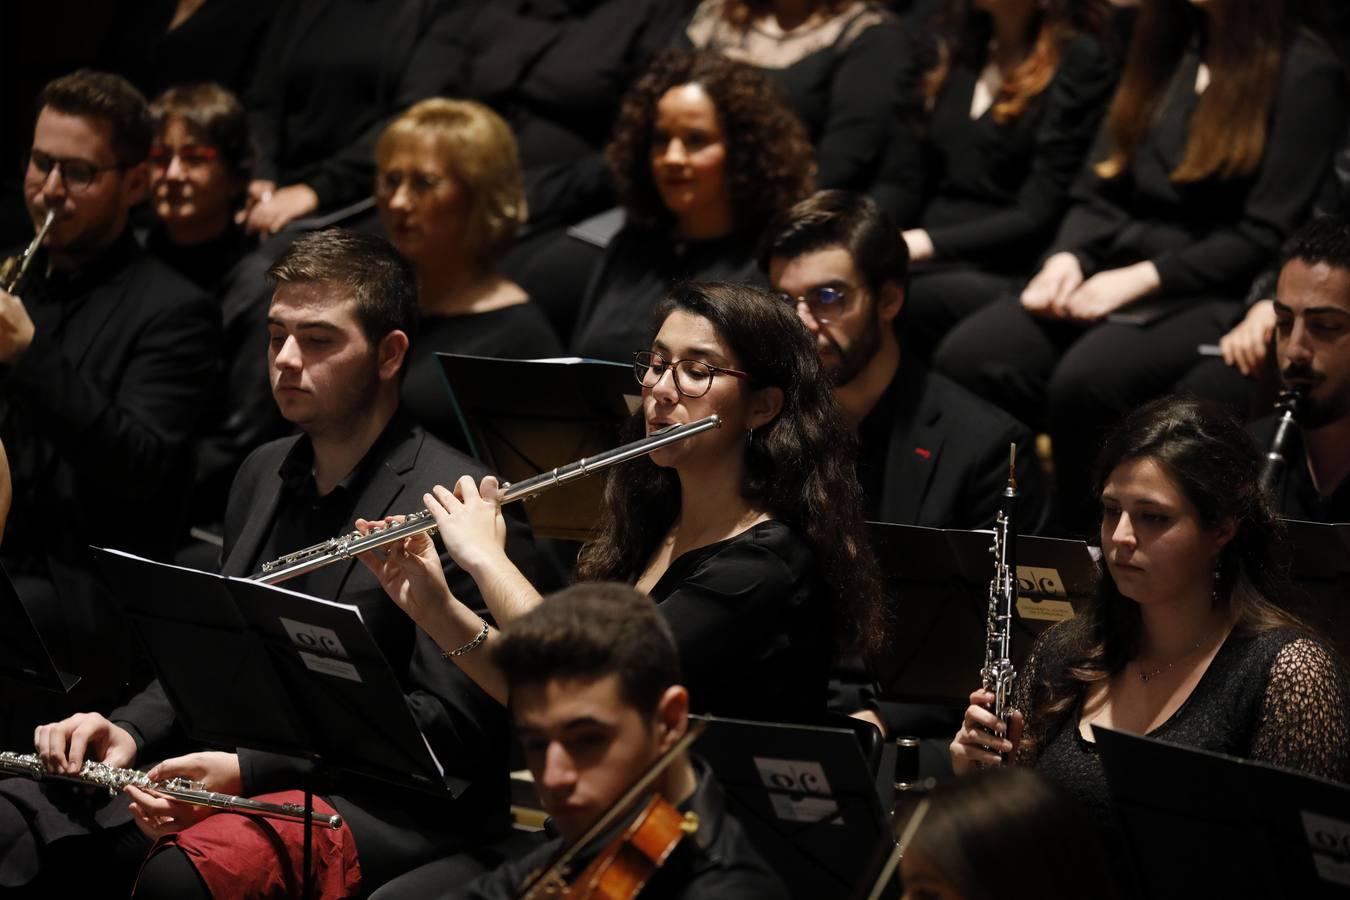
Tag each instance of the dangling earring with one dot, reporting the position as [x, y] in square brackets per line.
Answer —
[749, 437]
[1218, 575]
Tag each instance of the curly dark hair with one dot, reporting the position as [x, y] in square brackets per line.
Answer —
[799, 467]
[1217, 465]
[770, 162]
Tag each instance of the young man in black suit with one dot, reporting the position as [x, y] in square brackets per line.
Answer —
[1312, 344]
[930, 452]
[106, 360]
[339, 329]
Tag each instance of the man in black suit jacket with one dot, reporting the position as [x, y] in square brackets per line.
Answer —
[106, 359]
[339, 325]
[930, 452]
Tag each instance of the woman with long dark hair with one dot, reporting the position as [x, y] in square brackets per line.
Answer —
[704, 153]
[748, 536]
[1012, 98]
[1182, 641]
[1217, 141]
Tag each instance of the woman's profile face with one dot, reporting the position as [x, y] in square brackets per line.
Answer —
[1155, 545]
[689, 153]
[685, 336]
[420, 202]
[191, 186]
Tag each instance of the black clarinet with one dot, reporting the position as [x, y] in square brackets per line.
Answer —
[1289, 405]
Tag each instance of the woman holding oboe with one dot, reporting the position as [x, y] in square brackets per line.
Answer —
[748, 536]
[1181, 641]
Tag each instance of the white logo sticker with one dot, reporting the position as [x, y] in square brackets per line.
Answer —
[1329, 840]
[314, 638]
[798, 790]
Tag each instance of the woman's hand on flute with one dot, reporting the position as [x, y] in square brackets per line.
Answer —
[156, 815]
[410, 573]
[470, 523]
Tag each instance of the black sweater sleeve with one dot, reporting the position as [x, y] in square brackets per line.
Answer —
[863, 108]
[1076, 100]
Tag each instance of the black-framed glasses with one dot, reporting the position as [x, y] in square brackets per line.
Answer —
[692, 377]
[161, 155]
[825, 302]
[76, 174]
[419, 183]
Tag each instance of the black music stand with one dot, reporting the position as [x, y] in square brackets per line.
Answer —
[306, 678]
[1315, 559]
[937, 582]
[1202, 824]
[24, 658]
[806, 798]
[523, 417]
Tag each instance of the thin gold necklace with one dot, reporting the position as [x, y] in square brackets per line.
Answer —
[1147, 675]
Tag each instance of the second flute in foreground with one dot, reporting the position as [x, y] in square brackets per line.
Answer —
[346, 546]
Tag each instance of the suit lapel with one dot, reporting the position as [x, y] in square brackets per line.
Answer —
[912, 457]
[379, 498]
[266, 496]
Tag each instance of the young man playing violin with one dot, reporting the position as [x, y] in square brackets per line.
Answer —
[593, 675]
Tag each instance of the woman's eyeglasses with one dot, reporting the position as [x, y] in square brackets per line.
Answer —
[419, 183]
[692, 377]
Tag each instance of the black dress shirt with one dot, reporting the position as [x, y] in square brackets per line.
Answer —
[1297, 496]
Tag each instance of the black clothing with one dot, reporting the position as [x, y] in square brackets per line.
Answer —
[219, 42]
[639, 267]
[1276, 697]
[330, 74]
[394, 829]
[716, 863]
[520, 331]
[555, 71]
[842, 79]
[999, 190]
[1207, 239]
[244, 414]
[996, 192]
[749, 615]
[1298, 498]
[98, 419]
[933, 454]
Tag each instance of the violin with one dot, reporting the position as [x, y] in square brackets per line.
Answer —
[625, 863]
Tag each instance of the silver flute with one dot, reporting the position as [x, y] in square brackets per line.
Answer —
[997, 674]
[114, 780]
[348, 545]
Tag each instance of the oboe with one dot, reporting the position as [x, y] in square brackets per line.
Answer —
[1289, 405]
[114, 780]
[997, 674]
[349, 545]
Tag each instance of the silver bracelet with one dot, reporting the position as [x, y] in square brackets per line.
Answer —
[478, 639]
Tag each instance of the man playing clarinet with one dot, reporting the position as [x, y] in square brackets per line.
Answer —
[1312, 345]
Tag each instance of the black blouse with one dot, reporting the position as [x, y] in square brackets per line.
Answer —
[997, 191]
[748, 615]
[520, 331]
[842, 79]
[1277, 697]
[639, 267]
[1210, 237]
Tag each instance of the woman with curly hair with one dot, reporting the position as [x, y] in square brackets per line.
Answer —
[749, 537]
[1013, 99]
[704, 153]
[1182, 641]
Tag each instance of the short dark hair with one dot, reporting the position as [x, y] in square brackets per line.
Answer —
[216, 113]
[382, 282]
[840, 219]
[109, 98]
[1325, 239]
[590, 631]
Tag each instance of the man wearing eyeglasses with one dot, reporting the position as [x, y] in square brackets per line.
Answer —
[106, 359]
[931, 453]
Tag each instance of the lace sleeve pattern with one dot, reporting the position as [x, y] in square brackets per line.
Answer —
[1303, 724]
